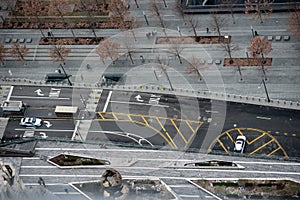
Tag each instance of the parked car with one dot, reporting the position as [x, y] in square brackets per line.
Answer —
[31, 121]
[240, 144]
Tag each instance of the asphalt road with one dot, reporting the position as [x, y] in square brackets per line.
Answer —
[184, 122]
[163, 121]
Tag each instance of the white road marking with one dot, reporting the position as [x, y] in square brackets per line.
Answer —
[139, 98]
[39, 92]
[47, 124]
[266, 118]
[136, 103]
[48, 130]
[107, 101]
[39, 97]
[10, 92]
[35, 51]
[125, 134]
[211, 111]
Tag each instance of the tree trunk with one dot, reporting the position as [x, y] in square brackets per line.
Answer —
[129, 53]
[262, 66]
[39, 25]
[179, 57]
[199, 74]
[168, 78]
[240, 72]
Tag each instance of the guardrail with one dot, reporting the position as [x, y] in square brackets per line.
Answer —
[158, 89]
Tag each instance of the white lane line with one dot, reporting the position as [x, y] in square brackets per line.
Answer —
[65, 193]
[189, 196]
[211, 111]
[48, 184]
[30, 97]
[203, 189]
[47, 130]
[266, 118]
[171, 169]
[35, 166]
[107, 101]
[137, 103]
[10, 92]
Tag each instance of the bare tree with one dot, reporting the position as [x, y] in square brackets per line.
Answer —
[294, 22]
[108, 49]
[118, 10]
[229, 48]
[19, 52]
[260, 46]
[34, 7]
[193, 22]
[59, 53]
[176, 49]
[90, 17]
[218, 22]
[163, 66]
[2, 53]
[179, 8]
[155, 10]
[129, 51]
[196, 66]
[230, 4]
[258, 8]
[60, 7]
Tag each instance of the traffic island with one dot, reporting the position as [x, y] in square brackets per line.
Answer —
[71, 41]
[76, 161]
[194, 40]
[251, 188]
[112, 186]
[247, 62]
[214, 164]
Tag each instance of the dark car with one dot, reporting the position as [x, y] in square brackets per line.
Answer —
[56, 77]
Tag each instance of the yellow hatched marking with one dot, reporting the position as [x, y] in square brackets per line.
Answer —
[222, 145]
[274, 151]
[194, 133]
[257, 138]
[129, 117]
[229, 136]
[146, 122]
[284, 152]
[115, 116]
[100, 114]
[262, 146]
[240, 132]
[188, 123]
[177, 129]
[174, 145]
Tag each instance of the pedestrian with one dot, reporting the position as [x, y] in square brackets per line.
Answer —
[255, 33]
[207, 30]
[10, 73]
[41, 181]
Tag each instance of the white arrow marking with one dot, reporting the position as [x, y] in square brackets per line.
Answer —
[43, 135]
[39, 92]
[47, 124]
[139, 98]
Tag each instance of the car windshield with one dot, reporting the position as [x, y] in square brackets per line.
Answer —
[33, 120]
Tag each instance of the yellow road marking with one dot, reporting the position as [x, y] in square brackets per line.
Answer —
[188, 123]
[229, 136]
[222, 145]
[274, 151]
[257, 138]
[129, 117]
[159, 122]
[177, 129]
[240, 132]
[262, 146]
[115, 116]
[100, 114]
[194, 133]
[146, 122]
